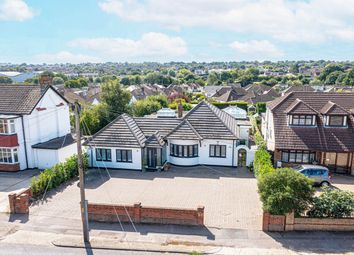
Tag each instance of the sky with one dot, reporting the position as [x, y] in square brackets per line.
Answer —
[77, 31]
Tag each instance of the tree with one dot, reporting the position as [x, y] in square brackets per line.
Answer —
[294, 69]
[213, 79]
[125, 81]
[58, 80]
[284, 191]
[145, 107]
[94, 118]
[116, 98]
[332, 77]
[5, 80]
[330, 68]
[161, 99]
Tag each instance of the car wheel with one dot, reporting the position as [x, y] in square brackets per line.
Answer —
[325, 184]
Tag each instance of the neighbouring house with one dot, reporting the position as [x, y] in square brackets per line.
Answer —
[311, 127]
[143, 91]
[34, 127]
[205, 135]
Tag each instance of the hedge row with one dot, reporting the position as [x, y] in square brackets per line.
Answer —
[53, 177]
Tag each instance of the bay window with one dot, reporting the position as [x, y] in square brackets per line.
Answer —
[8, 155]
[7, 126]
[184, 151]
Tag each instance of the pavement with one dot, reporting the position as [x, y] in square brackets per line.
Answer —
[343, 182]
[10, 182]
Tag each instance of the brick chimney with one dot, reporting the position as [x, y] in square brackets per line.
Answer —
[180, 109]
[45, 81]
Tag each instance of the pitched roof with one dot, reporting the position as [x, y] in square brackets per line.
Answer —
[156, 139]
[121, 132]
[184, 131]
[300, 107]
[20, 99]
[318, 138]
[212, 123]
[150, 125]
[333, 109]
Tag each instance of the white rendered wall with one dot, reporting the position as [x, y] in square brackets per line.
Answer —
[66, 152]
[135, 165]
[204, 158]
[46, 158]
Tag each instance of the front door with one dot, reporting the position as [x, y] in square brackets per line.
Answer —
[242, 157]
[152, 157]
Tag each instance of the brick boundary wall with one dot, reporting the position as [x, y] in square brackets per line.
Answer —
[19, 201]
[291, 223]
[140, 214]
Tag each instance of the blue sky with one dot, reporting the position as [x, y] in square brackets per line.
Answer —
[60, 31]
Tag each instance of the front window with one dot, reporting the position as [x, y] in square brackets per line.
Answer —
[124, 156]
[336, 121]
[103, 155]
[184, 151]
[7, 126]
[8, 156]
[297, 156]
[302, 120]
[217, 151]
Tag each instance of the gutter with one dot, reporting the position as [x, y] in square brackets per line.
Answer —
[233, 152]
[24, 140]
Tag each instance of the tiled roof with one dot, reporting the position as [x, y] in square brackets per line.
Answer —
[184, 131]
[20, 99]
[150, 125]
[56, 143]
[212, 123]
[155, 139]
[300, 107]
[334, 109]
[318, 138]
[122, 132]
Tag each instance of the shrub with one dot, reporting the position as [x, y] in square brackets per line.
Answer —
[186, 106]
[285, 190]
[53, 177]
[262, 163]
[145, 107]
[261, 107]
[332, 203]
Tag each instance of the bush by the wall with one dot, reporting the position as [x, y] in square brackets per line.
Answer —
[262, 163]
[284, 191]
[333, 203]
[53, 177]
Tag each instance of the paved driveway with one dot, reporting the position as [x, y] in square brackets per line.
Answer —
[229, 195]
[343, 182]
[10, 182]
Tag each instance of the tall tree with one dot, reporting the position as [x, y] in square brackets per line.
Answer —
[116, 98]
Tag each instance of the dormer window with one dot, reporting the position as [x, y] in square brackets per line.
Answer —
[302, 120]
[336, 120]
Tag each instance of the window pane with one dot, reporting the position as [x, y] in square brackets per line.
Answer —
[98, 155]
[185, 151]
[190, 151]
[223, 151]
[129, 156]
[195, 151]
[109, 158]
[302, 120]
[212, 150]
[305, 157]
[285, 156]
[298, 156]
[119, 155]
[336, 120]
[292, 156]
[217, 151]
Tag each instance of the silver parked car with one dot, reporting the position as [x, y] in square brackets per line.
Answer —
[320, 174]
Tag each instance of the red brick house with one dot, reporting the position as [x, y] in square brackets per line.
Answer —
[311, 127]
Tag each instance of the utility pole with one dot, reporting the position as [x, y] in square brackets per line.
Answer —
[83, 204]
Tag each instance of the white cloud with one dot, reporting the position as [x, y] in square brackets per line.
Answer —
[64, 57]
[15, 10]
[256, 50]
[151, 46]
[310, 21]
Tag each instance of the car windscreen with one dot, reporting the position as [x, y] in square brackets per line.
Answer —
[298, 168]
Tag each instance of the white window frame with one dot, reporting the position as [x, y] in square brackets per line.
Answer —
[8, 126]
[11, 153]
